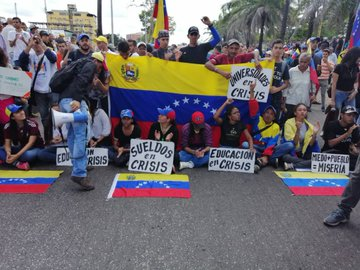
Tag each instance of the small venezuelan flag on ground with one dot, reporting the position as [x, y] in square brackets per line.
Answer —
[314, 184]
[150, 185]
[27, 181]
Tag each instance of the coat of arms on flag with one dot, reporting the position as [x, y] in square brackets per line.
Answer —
[150, 185]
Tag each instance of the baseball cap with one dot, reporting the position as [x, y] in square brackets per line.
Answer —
[141, 43]
[303, 46]
[233, 41]
[168, 112]
[198, 119]
[33, 26]
[193, 29]
[271, 108]
[43, 33]
[98, 56]
[127, 113]
[12, 108]
[101, 39]
[314, 39]
[82, 35]
[348, 109]
[163, 33]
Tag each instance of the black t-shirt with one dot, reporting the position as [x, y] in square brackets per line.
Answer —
[123, 140]
[160, 53]
[76, 55]
[230, 134]
[173, 129]
[347, 77]
[280, 74]
[334, 130]
[195, 55]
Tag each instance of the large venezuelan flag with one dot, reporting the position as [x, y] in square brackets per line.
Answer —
[27, 182]
[150, 185]
[161, 16]
[314, 184]
[144, 84]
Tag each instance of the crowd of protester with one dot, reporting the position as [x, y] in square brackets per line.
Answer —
[281, 135]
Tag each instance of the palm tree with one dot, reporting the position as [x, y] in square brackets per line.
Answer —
[284, 19]
[99, 17]
[249, 17]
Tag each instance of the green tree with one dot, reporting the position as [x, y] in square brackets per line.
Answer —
[285, 16]
[251, 17]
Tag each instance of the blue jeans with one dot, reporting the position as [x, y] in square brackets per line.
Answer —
[76, 139]
[279, 150]
[48, 154]
[341, 99]
[29, 155]
[198, 162]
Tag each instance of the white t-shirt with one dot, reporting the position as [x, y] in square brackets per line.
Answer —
[19, 45]
[101, 125]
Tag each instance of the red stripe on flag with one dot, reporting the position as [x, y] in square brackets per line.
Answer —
[156, 8]
[27, 188]
[317, 191]
[151, 192]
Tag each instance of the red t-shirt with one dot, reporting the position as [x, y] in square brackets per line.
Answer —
[22, 135]
[59, 58]
[223, 59]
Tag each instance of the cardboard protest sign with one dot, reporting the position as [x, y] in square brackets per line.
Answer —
[243, 76]
[95, 156]
[151, 156]
[231, 159]
[14, 82]
[330, 163]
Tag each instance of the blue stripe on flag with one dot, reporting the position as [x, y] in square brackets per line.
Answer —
[183, 104]
[32, 181]
[153, 184]
[315, 182]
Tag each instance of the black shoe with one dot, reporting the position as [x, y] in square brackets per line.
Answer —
[336, 217]
[84, 182]
[88, 168]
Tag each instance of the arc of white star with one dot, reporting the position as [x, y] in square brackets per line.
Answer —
[176, 103]
[196, 101]
[185, 100]
[213, 111]
[167, 107]
[206, 105]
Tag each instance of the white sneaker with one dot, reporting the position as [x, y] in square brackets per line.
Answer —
[186, 165]
[288, 166]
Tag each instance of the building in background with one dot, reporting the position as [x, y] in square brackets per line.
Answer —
[134, 36]
[71, 20]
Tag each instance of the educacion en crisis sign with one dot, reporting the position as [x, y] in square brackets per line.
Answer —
[243, 76]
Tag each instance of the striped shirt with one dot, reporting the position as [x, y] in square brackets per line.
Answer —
[325, 72]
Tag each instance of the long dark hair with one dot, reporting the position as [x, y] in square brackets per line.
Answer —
[4, 60]
[228, 111]
[350, 57]
[13, 129]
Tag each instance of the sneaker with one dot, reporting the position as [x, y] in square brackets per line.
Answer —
[288, 166]
[336, 217]
[275, 163]
[23, 166]
[84, 182]
[256, 168]
[186, 165]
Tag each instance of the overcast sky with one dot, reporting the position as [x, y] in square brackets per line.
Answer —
[185, 12]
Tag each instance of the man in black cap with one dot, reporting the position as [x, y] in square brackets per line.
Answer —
[341, 135]
[33, 30]
[351, 195]
[45, 38]
[163, 52]
[197, 53]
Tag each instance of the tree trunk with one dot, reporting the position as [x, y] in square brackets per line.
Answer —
[99, 18]
[311, 24]
[284, 20]
[350, 25]
[261, 37]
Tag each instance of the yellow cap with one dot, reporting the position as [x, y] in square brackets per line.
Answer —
[98, 56]
[102, 39]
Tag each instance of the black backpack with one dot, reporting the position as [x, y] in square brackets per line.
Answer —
[63, 77]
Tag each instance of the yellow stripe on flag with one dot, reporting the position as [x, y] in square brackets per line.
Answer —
[287, 174]
[172, 77]
[29, 174]
[152, 177]
[160, 22]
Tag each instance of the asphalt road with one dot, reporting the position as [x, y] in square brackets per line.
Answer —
[232, 221]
